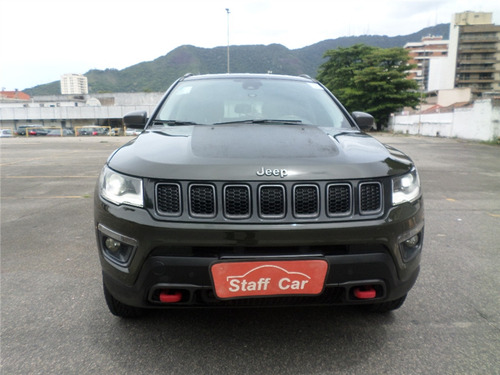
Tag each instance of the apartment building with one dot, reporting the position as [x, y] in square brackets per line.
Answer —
[421, 53]
[478, 54]
[74, 84]
[474, 53]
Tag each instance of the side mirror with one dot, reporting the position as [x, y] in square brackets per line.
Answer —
[364, 120]
[136, 120]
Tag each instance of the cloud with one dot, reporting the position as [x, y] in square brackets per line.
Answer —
[52, 37]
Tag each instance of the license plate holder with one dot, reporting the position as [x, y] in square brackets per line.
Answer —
[268, 278]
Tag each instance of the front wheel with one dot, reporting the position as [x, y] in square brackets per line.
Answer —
[120, 309]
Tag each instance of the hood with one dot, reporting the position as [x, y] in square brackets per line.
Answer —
[240, 152]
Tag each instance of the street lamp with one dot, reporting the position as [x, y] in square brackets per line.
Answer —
[227, 10]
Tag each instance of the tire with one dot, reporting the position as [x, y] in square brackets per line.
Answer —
[120, 309]
[385, 307]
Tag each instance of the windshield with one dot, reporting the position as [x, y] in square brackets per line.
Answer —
[250, 100]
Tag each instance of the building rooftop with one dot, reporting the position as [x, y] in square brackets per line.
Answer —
[14, 95]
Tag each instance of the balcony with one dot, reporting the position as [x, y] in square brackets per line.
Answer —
[476, 61]
[479, 81]
[475, 69]
[487, 40]
[477, 49]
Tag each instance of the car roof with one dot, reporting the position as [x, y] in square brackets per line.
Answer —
[191, 77]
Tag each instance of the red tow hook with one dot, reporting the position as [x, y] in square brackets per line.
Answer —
[365, 292]
[167, 296]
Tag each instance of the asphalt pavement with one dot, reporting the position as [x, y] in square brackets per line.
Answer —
[54, 319]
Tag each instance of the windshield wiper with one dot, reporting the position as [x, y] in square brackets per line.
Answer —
[173, 122]
[262, 121]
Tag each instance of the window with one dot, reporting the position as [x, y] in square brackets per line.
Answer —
[214, 101]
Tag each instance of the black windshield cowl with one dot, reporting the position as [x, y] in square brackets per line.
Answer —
[173, 122]
[262, 121]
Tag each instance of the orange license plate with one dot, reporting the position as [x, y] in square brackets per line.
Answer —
[269, 278]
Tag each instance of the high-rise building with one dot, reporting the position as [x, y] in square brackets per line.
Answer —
[475, 47]
[74, 84]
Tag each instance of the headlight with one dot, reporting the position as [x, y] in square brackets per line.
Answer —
[120, 189]
[405, 188]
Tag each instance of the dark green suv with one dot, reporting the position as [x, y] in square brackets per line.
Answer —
[256, 190]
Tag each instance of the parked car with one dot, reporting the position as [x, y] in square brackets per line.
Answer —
[101, 131]
[61, 133]
[116, 132]
[32, 130]
[256, 190]
[87, 131]
[93, 130]
[6, 133]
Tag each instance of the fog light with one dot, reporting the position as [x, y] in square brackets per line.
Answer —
[411, 247]
[116, 248]
[412, 242]
[112, 244]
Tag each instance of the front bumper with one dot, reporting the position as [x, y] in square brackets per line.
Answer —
[176, 257]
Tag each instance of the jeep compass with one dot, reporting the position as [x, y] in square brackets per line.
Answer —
[256, 190]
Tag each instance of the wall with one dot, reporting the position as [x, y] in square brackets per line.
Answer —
[64, 113]
[450, 97]
[67, 111]
[140, 98]
[480, 122]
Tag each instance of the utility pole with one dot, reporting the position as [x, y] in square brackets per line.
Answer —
[227, 10]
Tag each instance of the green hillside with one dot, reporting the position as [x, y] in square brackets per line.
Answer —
[157, 75]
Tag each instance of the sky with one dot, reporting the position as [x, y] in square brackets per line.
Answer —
[42, 39]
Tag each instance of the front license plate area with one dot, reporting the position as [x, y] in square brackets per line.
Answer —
[268, 278]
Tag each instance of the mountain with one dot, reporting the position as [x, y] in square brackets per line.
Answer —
[159, 74]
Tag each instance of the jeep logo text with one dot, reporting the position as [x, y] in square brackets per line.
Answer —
[272, 172]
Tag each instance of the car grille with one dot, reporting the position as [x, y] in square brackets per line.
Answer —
[339, 199]
[202, 200]
[169, 199]
[272, 201]
[370, 198]
[237, 201]
[257, 202]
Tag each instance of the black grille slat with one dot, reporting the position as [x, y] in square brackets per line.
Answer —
[339, 201]
[306, 201]
[272, 201]
[202, 200]
[370, 198]
[255, 202]
[168, 199]
[237, 201]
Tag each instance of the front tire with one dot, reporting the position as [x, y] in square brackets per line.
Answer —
[120, 309]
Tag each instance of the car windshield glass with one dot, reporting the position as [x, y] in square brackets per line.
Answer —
[251, 100]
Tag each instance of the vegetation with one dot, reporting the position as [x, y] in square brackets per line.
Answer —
[159, 74]
[371, 79]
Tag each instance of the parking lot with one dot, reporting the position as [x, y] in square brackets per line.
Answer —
[54, 319]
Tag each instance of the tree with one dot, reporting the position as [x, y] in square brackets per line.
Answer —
[370, 79]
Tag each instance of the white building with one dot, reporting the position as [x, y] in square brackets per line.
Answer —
[72, 111]
[74, 84]
[422, 54]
